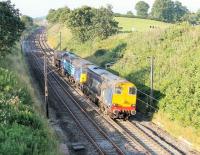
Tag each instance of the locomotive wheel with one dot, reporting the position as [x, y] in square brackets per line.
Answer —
[96, 101]
[83, 90]
[112, 116]
[125, 117]
[62, 72]
[86, 92]
[102, 109]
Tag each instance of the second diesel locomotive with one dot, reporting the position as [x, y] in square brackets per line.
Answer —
[114, 95]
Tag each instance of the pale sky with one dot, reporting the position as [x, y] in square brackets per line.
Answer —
[38, 8]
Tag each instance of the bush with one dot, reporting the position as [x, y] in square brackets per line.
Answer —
[21, 129]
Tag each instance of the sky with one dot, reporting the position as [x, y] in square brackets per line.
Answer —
[38, 8]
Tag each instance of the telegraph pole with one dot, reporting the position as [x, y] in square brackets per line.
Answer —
[151, 81]
[60, 42]
[46, 86]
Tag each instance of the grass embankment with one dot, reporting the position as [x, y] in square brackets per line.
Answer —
[23, 129]
[176, 81]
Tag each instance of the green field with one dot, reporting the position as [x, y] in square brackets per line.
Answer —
[136, 24]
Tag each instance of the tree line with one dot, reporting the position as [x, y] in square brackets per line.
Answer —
[12, 24]
[86, 22]
[167, 11]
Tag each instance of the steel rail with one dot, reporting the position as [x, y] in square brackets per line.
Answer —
[100, 130]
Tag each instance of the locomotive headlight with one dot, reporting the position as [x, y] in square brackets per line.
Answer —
[116, 112]
[133, 112]
[115, 105]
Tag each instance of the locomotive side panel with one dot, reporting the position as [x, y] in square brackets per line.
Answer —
[94, 83]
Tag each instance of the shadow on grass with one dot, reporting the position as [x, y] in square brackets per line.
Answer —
[105, 56]
[146, 105]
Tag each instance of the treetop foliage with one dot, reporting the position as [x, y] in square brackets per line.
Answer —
[168, 11]
[142, 9]
[11, 26]
[130, 13]
[58, 16]
[193, 18]
[86, 22]
[28, 21]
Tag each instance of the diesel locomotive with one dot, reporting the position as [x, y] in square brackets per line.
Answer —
[114, 95]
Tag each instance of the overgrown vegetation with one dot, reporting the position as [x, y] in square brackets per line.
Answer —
[22, 129]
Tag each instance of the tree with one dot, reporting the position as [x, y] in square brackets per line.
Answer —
[60, 15]
[11, 27]
[51, 16]
[80, 22]
[130, 13]
[28, 21]
[163, 10]
[192, 18]
[87, 23]
[179, 11]
[103, 23]
[198, 15]
[142, 9]
[64, 14]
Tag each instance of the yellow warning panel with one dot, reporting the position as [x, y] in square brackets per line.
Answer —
[83, 78]
[124, 95]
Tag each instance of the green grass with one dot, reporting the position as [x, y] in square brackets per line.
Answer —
[141, 25]
[55, 36]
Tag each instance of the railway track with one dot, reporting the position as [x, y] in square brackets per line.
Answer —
[96, 135]
[131, 141]
[149, 144]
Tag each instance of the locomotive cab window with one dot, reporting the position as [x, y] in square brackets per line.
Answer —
[118, 90]
[132, 91]
[95, 84]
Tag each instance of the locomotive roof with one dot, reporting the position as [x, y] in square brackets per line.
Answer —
[106, 74]
[76, 60]
[80, 62]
